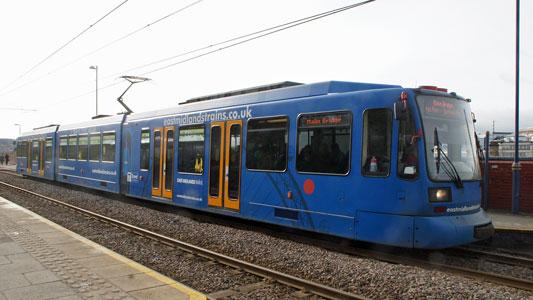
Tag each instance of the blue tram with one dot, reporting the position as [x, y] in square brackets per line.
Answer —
[88, 154]
[372, 162]
[35, 152]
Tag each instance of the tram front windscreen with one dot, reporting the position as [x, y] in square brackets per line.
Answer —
[449, 131]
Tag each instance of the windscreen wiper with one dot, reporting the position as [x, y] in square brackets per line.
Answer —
[436, 149]
[451, 171]
[448, 166]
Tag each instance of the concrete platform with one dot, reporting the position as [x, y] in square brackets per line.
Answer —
[509, 221]
[42, 260]
[10, 167]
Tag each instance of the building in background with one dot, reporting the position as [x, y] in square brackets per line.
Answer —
[502, 144]
[528, 133]
[6, 146]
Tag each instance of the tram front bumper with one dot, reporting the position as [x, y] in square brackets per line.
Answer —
[450, 231]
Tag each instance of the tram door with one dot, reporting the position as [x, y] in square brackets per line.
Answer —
[41, 157]
[30, 157]
[163, 162]
[225, 164]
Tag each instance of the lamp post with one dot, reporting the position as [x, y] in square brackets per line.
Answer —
[96, 69]
[20, 128]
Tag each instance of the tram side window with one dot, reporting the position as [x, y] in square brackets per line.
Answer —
[377, 139]
[35, 150]
[83, 147]
[191, 145]
[22, 149]
[72, 143]
[145, 149]
[324, 143]
[407, 149]
[95, 146]
[108, 147]
[266, 144]
[48, 150]
[63, 145]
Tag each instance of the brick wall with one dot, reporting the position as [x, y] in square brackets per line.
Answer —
[501, 185]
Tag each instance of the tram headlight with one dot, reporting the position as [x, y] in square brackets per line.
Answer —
[440, 195]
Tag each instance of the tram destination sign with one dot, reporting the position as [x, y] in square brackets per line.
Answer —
[442, 107]
[326, 119]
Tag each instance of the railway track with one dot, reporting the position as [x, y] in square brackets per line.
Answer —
[476, 274]
[424, 262]
[404, 258]
[493, 257]
[286, 279]
[422, 259]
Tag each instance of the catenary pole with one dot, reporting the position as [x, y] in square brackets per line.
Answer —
[516, 164]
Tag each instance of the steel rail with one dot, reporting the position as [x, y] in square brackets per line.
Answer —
[494, 257]
[475, 274]
[293, 281]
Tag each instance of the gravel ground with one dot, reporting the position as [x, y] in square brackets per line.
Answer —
[373, 279]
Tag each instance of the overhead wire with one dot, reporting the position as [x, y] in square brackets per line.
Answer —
[108, 44]
[66, 44]
[260, 36]
[252, 36]
[140, 29]
[270, 30]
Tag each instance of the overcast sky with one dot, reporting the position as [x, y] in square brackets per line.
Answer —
[465, 46]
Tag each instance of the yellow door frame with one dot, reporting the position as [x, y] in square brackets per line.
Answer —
[29, 161]
[229, 202]
[156, 190]
[217, 201]
[41, 157]
[167, 193]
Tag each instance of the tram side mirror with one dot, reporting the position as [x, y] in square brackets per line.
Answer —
[400, 111]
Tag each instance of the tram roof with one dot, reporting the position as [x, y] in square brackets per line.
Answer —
[238, 98]
[94, 122]
[40, 130]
